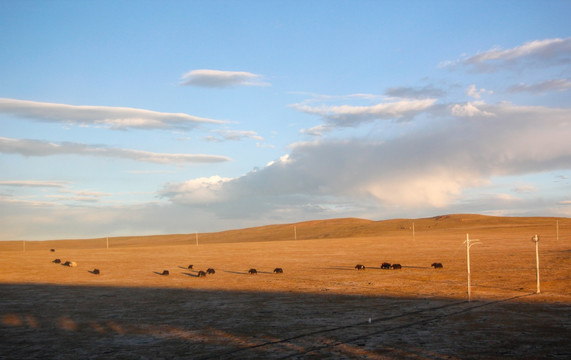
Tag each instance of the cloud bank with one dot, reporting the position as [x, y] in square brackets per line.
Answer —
[221, 79]
[423, 169]
[111, 117]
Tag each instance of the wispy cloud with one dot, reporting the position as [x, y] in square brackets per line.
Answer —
[27, 147]
[111, 117]
[221, 79]
[34, 183]
[542, 87]
[545, 52]
[233, 135]
[415, 92]
[352, 116]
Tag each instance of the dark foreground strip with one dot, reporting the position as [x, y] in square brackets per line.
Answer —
[420, 322]
[410, 313]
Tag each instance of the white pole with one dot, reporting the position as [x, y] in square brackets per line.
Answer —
[536, 240]
[295, 232]
[108, 242]
[468, 266]
[196, 238]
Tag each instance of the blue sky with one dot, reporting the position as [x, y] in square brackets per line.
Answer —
[148, 117]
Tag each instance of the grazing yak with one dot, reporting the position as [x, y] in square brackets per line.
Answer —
[165, 272]
[201, 274]
[96, 271]
[210, 271]
[360, 267]
[396, 266]
[57, 261]
[437, 265]
[189, 267]
[385, 266]
[252, 272]
[52, 250]
[278, 270]
[70, 263]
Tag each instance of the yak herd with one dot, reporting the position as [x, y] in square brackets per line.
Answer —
[252, 271]
[387, 266]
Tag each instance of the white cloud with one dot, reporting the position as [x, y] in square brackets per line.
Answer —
[111, 117]
[28, 147]
[196, 191]
[219, 79]
[476, 93]
[468, 110]
[542, 87]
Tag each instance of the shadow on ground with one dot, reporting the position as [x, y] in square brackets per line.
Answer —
[47, 321]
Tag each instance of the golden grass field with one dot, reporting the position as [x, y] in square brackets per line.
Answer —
[319, 308]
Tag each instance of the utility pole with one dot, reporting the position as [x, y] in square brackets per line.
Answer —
[107, 242]
[535, 239]
[468, 246]
[295, 232]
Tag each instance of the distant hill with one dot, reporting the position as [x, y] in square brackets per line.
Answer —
[456, 224]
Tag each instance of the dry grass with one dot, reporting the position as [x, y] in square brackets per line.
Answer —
[319, 307]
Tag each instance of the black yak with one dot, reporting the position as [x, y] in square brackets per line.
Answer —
[252, 272]
[70, 264]
[396, 266]
[52, 250]
[360, 267]
[437, 265]
[57, 261]
[210, 271]
[190, 267]
[385, 265]
[165, 272]
[201, 274]
[96, 271]
[278, 270]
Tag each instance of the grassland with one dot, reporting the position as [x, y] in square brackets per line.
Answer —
[320, 308]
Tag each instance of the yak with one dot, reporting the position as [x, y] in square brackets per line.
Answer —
[360, 267]
[165, 272]
[189, 267]
[437, 265]
[385, 266]
[70, 264]
[252, 272]
[201, 274]
[396, 266]
[52, 250]
[278, 270]
[96, 271]
[57, 261]
[210, 271]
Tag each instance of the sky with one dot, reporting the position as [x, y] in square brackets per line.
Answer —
[151, 117]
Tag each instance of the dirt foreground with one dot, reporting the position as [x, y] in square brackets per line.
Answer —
[321, 307]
